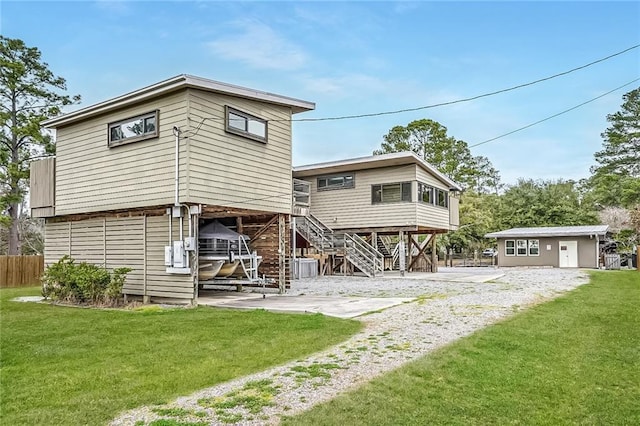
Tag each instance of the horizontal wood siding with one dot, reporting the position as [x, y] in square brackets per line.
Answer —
[351, 208]
[430, 216]
[125, 249]
[91, 177]
[56, 241]
[42, 187]
[229, 170]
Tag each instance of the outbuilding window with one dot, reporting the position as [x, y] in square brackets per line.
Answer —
[133, 129]
[246, 125]
[521, 247]
[510, 248]
[534, 248]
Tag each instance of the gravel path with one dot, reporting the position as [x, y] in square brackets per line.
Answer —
[442, 313]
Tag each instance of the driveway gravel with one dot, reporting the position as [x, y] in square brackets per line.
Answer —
[442, 312]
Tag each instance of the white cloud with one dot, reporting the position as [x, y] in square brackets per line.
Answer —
[259, 46]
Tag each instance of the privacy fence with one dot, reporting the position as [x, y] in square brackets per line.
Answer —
[20, 271]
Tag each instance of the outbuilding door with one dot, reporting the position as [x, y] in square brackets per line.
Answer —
[568, 254]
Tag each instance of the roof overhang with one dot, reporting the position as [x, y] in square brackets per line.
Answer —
[173, 84]
[372, 162]
[550, 232]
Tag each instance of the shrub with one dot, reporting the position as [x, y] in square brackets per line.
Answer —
[83, 282]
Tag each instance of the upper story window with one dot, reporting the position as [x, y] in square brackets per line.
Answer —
[336, 182]
[391, 193]
[246, 125]
[133, 129]
[434, 196]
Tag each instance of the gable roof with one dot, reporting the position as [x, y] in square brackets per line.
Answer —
[551, 231]
[178, 82]
[372, 162]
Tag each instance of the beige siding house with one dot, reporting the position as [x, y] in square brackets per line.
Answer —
[396, 194]
[135, 177]
[558, 247]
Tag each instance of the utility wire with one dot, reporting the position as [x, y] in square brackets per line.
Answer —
[375, 114]
[554, 115]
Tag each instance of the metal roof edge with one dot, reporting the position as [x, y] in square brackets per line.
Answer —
[408, 155]
[552, 231]
[169, 85]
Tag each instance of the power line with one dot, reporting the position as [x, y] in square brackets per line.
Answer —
[554, 115]
[375, 114]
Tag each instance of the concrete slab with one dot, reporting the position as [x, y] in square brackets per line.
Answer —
[467, 275]
[28, 299]
[341, 307]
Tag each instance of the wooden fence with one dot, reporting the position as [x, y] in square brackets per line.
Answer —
[20, 271]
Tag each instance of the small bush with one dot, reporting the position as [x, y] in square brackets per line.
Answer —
[83, 282]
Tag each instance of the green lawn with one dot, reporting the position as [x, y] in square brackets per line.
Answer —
[575, 360]
[67, 366]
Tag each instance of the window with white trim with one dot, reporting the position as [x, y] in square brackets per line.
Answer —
[133, 129]
[244, 124]
[343, 181]
[521, 247]
[434, 196]
[391, 193]
[510, 247]
[534, 248]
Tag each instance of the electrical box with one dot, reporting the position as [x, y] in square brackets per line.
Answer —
[195, 209]
[176, 211]
[179, 255]
[190, 243]
[168, 256]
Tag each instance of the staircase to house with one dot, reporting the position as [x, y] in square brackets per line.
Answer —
[352, 247]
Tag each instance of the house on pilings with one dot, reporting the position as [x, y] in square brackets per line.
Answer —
[397, 203]
[136, 177]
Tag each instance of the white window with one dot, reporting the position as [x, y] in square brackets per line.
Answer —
[510, 248]
[133, 129]
[521, 247]
[246, 125]
[534, 248]
[336, 182]
[391, 193]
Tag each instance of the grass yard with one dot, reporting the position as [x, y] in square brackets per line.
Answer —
[575, 360]
[70, 366]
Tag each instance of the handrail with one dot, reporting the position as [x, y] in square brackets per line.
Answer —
[373, 259]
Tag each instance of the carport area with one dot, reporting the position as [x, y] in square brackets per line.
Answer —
[351, 296]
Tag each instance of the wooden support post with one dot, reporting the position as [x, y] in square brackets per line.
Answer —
[421, 252]
[239, 229]
[434, 254]
[282, 248]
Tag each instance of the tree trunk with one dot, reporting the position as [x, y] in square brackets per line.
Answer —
[14, 237]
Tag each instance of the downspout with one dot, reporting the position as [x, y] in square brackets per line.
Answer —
[176, 133]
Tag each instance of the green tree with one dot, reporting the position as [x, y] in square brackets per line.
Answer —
[429, 140]
[543, 203]
[615, 180]
[28, 95]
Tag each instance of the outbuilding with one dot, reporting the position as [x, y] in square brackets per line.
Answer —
[558, 246]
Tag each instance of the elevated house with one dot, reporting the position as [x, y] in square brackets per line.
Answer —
[556, 246]
[136, 178]
[396, 202]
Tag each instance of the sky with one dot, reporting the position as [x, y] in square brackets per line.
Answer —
[352, 58]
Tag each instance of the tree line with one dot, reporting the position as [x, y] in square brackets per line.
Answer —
[611, 195]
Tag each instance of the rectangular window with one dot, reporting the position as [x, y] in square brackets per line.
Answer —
[133, 129]
[336, 182]
[246, 125]
[391, 193]
[534, 248]
[510, 248]
[443, 198]
[426, 193]
[521, 247]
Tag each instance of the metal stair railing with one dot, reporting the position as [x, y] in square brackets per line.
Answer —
[316, 232]
[363, 255]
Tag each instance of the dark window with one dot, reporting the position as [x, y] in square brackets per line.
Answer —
[246, 125]
[534, 248]
[510, 248]
[336, 182]
[443, 198]
[133, 129]
[521, 246]
[391, 193]
[425, 193]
